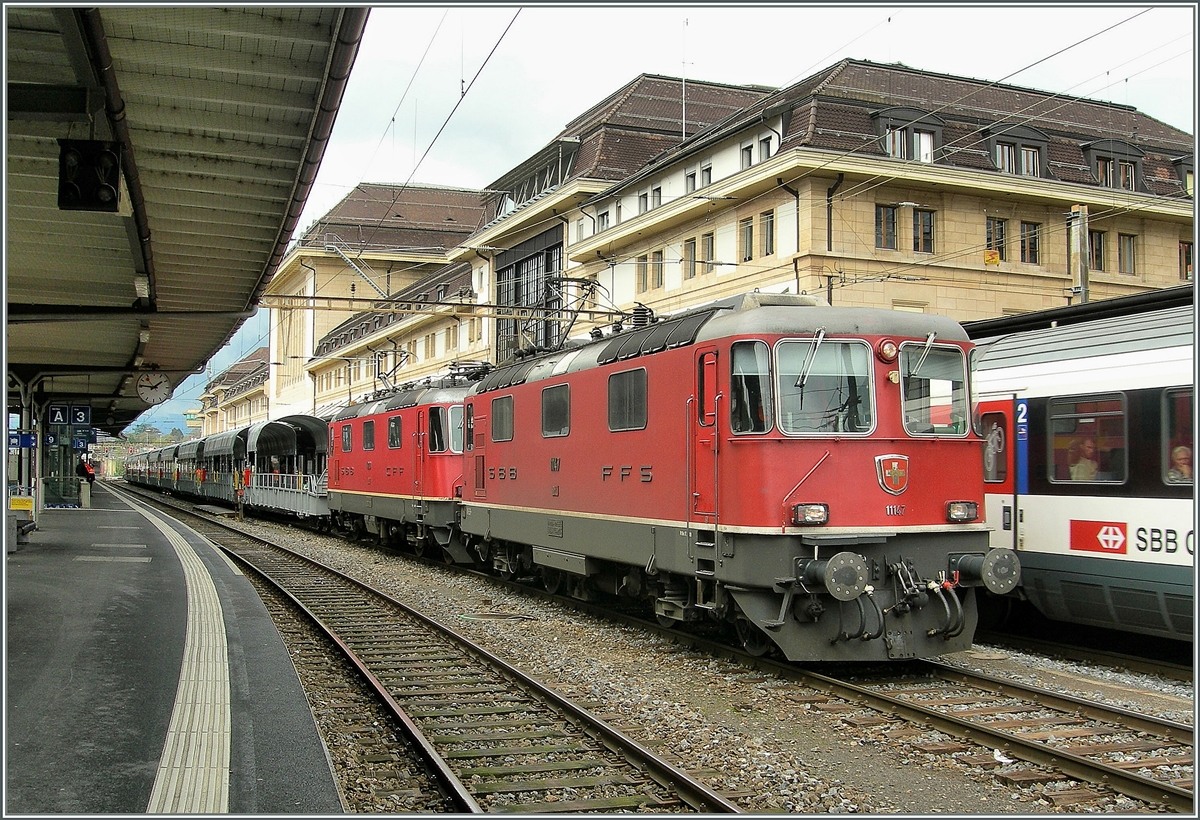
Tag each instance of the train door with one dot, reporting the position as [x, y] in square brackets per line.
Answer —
[476, 434]
[419, 454]
[999, 471]
[704, 442]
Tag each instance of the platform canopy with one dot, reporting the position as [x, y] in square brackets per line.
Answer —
[218, 119]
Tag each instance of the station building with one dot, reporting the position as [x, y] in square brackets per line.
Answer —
[868, 184]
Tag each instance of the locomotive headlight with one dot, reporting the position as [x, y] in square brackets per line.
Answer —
[962, 511]
[886, 350]
[807, 515]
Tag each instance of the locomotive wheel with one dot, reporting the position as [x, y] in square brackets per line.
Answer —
[553, 580]
[753, 639]
[666, 622]
[418, 547]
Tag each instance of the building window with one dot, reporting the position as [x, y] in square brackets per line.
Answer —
[747, 156]
[502, 419]
[894, 143]
[602, 221]
[395, 433]
[1185, 261]
[764, 149]
[452, 338]
[1030, 162]
[885, 226]
[556, 411]
[766, 222]
[689, 182]
[643, 202]
[1096, 250]
[627, 400]
[1029, 242]
[642, 263]
[1104, 172]
[1125, 254]
[579, 230]
[617, 212]
[746, 239]
[923, 146]
[1127, 175]
[656, 269]
[689, 258]
[995, 236]
[655, 197]
[707, 251]
[705, 176]
[1006, 157]
[923, 231]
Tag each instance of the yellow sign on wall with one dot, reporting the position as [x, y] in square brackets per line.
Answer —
[21, 502]
[991, 257]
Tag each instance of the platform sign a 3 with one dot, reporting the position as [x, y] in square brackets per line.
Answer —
[81, 415]
[58, 414]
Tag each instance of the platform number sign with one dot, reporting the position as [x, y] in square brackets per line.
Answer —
[58, 414]
[81, 415]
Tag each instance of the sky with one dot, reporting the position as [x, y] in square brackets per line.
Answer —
[458, 95]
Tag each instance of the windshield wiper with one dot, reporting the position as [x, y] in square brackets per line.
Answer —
[924, 353]
[811, 358]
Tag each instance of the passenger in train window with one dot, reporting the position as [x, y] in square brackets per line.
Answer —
[1081, 455]
[1180, 471]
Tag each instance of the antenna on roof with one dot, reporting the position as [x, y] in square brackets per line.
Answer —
[683, 80]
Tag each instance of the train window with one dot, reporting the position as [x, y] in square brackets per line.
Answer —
[1087, 439]
[456, 428]
[368, 442]
[750, 409]
[469, 427]
[437, 430]
[627, 400]
[556, 411]
[502, 418]
[933, 384]
[395, 433]
[995, 450]
[1177, 436]
[824, 386]
[347, 438]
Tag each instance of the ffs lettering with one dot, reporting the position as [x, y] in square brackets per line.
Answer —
[625, 471]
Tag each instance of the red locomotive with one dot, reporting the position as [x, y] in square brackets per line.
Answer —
[808, 473]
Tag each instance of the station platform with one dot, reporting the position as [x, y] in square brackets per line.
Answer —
[144, 675]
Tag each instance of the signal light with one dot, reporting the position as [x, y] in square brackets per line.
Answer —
[89, 175]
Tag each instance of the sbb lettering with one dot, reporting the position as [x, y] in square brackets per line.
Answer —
[1152, 539]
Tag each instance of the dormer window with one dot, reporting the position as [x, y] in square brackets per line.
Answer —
[1115, 163]
[1018, 149]
[1184, 173]
[909, 133]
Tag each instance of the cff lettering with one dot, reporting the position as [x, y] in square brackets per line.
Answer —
[1152, 539]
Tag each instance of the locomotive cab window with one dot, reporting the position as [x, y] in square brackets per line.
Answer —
[455, 413]
[824, 386]
[1087, 439]
[368, 437]
[933, 385]
[627, 401]
[395, 433]
[347, 438]
[556, 411]
[445, 429]
[1177, 437]
[502, 418]
[750, 409]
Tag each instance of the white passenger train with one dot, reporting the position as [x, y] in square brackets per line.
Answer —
[1088, 414]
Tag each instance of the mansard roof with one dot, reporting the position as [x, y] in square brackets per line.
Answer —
[378, 217]
[835, 109]
[255, 360]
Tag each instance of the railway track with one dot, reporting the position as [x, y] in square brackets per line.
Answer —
[984, 721]
[494, 739]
